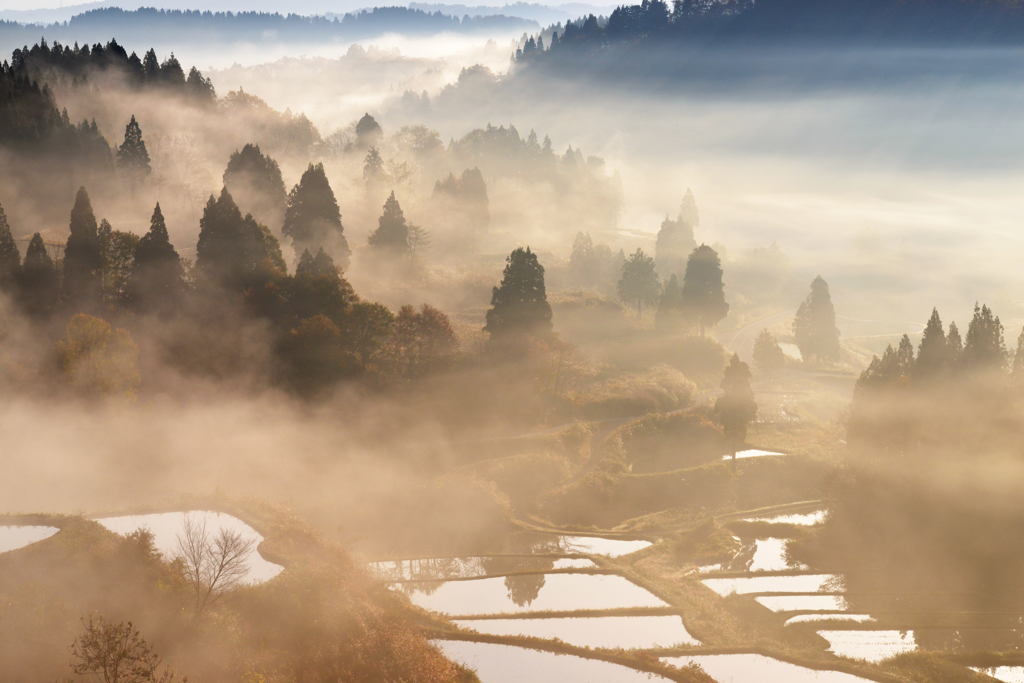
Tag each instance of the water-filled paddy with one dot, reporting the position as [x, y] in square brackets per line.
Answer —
[800, 583]
[1007, 674]
[798, 519]
[530, 592]
[746, 668]
[873, 646]
[167, 526]
[511, 664]
[18, 536]
[632, 632]
[837, 616]
[593, 545]
[750, 453]
[438, 568]
[799, 603]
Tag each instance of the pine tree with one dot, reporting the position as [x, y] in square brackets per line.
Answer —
[954, 347]
[519, 305]
[392, 233]
[38, 283]
[254, 181]
[984, 348]
[815, 324]
[157, 280]
[373, 167]
[368, 132]
[768, 355]
[132, 156]
[670, 314]
[736, 408]
[703, 291]
[638, 284]
[932, 353]
[312, 219]
[319, 289]
[10, 258]
[675, 239]
[233, 250]
[83, 258]
[151, 67]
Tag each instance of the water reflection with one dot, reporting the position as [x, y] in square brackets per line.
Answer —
[511, 664]
[428, 568]
[744, 668]
[800, 583]
[19, 536]
[557, 592]
[612, 632]
[873, 646]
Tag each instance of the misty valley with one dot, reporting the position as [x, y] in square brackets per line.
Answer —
[512, 342]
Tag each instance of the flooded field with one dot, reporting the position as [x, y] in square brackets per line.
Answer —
[168, 526]
[530, 592]
[18, 536]
[439, 568]
[610, 632]
[747, 668]
[511, 664]
[801, 583]
[872, 646]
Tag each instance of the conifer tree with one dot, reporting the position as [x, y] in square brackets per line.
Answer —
[118, 250]
[932, 353]
[373, 167]
[38, 283]
[815, 324]
[312, 218]
[132, 156]
[670, 314]
[703, 290]
[319, 289]
[254, 181]
[232, 249]
[368, 132]
[519, 305]
[768, 355]
[639, 285]
[151, 66]
[954, 347]
[392, 233]
[157, 280]
[736, 408]
[905, 355]
[984, 348]
[1018, 359]
[83, 258]
[10, 258]
[199, 87]
[675, 239]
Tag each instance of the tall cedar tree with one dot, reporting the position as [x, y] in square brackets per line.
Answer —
[373, 167]
[392, 233]
[368, 131]
[954, 347]
[157, 282]
[675, 239]
[132, 155]
[38, 282]
[768, 355]
[255, 182]
[815, 324]
[83, 258]
[703, 290]
[639, 285]
[118, 250]
[519, 305]
[670, 306]
[313, 220]
[232, 250]
[10, 259]
[984, 348]
[319, 289]
[933, 352]
[736, 407]
[1018, 359]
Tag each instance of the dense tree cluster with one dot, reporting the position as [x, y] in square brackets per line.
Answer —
[675, 239]
[55, 63]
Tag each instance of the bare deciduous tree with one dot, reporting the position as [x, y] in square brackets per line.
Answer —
[213, 565]
[115, 653]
